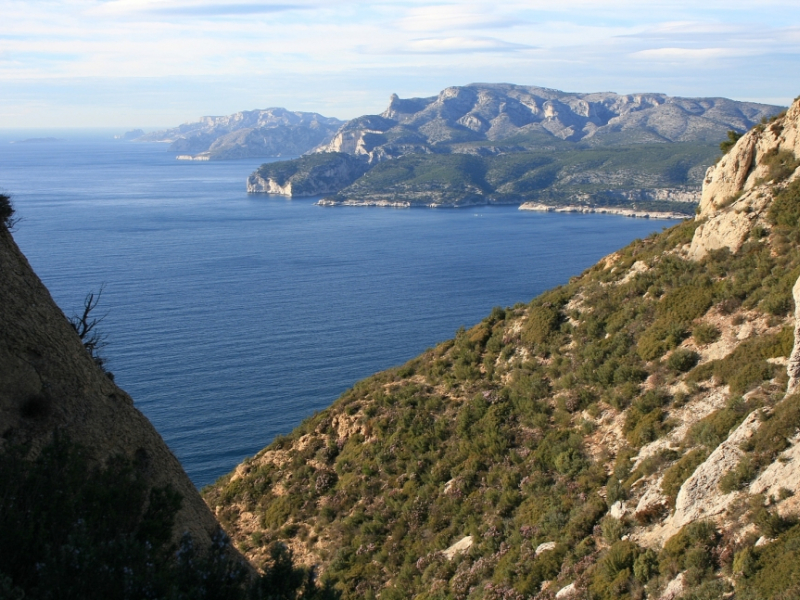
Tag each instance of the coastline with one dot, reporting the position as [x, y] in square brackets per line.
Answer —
[624, 212]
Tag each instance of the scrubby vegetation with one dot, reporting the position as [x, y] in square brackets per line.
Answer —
[555, 176]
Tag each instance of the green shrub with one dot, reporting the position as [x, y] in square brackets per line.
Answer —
[541, 323]
[781, 164]
[6, 211]
[771, 571]
[785, 207]
[742, 474]
[644, 421]
[612, 529]
[682, 360]
[705, 333]
[613, 578]
[691, 548]
[712, 430]
[661, 336]
[772, 437]
[733, 137]
[686, 303]
[745, 366]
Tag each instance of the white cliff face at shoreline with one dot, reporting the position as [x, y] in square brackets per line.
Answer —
[624, 212]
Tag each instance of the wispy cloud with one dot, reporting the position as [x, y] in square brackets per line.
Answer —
[685, 54]
[458, 45]
[451, 17]
[192, 9]
[218, 56]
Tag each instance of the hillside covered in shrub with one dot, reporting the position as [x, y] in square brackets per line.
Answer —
[631, 434]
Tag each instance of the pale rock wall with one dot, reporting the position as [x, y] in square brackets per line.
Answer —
[258, 185]
[739, 170]
[793, 367]
[700, 496]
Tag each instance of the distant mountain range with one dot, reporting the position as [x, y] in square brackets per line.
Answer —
[484, 144]
[495, 118]
[254, 133]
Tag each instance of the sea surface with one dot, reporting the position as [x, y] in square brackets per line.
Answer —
[232, 317]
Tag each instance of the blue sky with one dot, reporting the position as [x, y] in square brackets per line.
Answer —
[158, 63]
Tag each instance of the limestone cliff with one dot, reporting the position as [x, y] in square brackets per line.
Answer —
[311, 175]
[510, 144]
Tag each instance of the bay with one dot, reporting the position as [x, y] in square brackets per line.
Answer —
[232, 317]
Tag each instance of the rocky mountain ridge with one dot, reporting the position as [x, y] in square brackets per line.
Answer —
[632, 434]
[247, 134]
[507, 113]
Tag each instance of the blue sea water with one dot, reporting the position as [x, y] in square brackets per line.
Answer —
[232, 317]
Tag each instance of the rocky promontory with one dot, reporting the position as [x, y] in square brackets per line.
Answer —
[311, 175]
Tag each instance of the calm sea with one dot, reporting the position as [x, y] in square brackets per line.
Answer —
[232, 317]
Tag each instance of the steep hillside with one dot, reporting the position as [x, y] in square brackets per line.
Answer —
[631, 434]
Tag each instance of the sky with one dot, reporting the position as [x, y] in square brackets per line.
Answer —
[159, 63]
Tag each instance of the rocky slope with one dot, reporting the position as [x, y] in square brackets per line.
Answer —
[248, 134]
[632, 434]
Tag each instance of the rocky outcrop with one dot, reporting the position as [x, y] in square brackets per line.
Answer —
[744, 167]
[49, 383]
[699, 496]
[793, 366]
[737, 190]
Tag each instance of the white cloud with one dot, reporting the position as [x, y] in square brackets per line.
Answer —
[450, 17]
[458, 45]
[689, 54]
[298, 52]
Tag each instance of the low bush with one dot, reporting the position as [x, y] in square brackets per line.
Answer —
[6, 211]
[770, 571]
[773, 435]
[705, 333]
[726, 145]
[644, 421]
[682, 360]
[781, 164]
